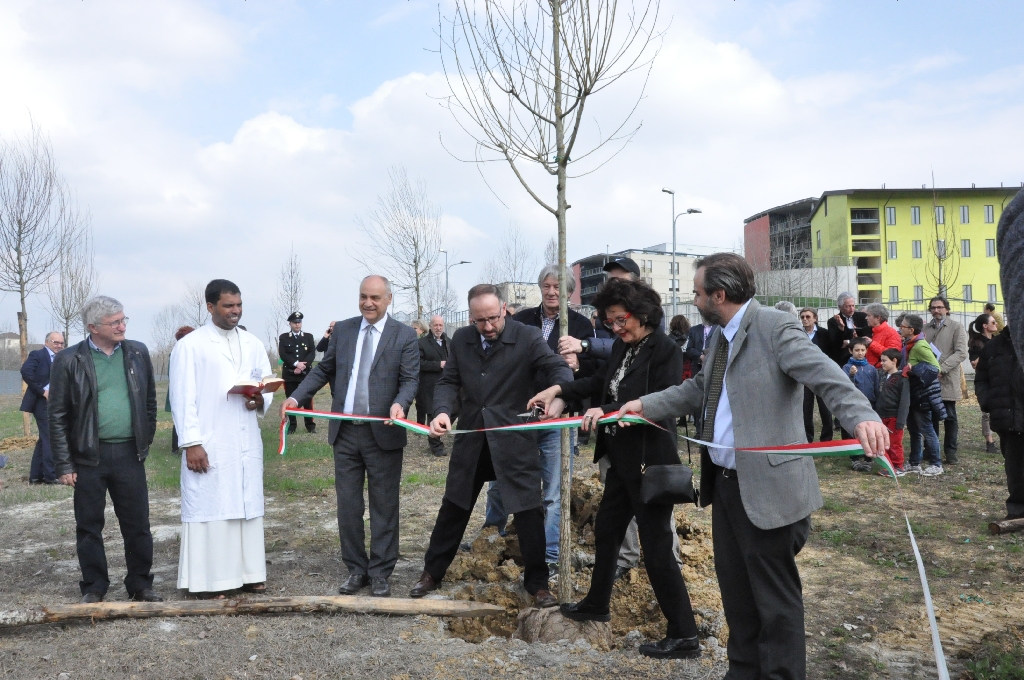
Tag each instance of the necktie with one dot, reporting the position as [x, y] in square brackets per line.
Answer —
[361, 402]
[715, 390]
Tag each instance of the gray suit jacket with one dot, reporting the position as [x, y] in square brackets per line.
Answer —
[770, 361]
[394, 376]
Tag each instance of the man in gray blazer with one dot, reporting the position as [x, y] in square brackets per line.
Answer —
[750, 391]
[375, 363]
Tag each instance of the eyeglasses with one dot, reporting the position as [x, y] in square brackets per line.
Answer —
[907, 327]
[934, 307]
[114, 324]
[56, 344]
[488, 320]
[620, 322]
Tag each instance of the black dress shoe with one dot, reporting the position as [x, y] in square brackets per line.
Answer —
[672, 648]
[291, 429]
[620, 572]
[466, 547]
[544, 599]
[91, 598]
[51, 481]
[584, 611]
[354, 584]
[35, 481]
[311, 429]
[379, 587]
[147, 595]
[423, 586]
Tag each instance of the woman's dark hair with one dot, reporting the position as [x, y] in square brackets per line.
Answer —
[679, 325]
[636, 297]
[182, 332]
[217, 287]
[727, 272]
[977, 329]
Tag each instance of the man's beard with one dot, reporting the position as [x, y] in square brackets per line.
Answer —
[710, 314]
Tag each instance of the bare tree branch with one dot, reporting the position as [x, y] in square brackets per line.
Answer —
[514, 263]
[74, 280]
[405, 237]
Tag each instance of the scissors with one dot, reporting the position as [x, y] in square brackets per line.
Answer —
[533, 414]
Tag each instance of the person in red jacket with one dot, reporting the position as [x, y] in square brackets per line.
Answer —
[883, 336]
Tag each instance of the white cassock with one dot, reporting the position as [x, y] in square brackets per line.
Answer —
[222, 544]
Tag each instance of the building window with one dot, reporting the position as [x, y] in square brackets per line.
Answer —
[894, 294]
[915, 214]
[965, 215]
[940, 214]
[915, 250]
[892, 250]
[965, 247]
[818, 236]
[826, 206]
[968, 294]
[918, 293]
[991, 292]
[890, 215]
[990, 214]
[990, 247]
[940, 249]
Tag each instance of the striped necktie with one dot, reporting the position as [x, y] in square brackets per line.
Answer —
[715, 389]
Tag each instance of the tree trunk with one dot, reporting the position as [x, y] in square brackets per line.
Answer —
[269, 605]
[565, 589]
[26, 418]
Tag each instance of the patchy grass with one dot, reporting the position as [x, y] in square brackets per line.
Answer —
[421, 479]
[995, 663]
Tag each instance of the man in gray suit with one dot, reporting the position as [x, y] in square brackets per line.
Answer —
[375, 363]
[761, 502]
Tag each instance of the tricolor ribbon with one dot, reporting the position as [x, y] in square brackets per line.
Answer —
[845, 447]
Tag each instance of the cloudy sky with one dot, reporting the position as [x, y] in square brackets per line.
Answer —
[209, 138]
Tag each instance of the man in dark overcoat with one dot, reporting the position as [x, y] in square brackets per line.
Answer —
[297, 351]
[493, 363]
[36, 374]
[433, 355]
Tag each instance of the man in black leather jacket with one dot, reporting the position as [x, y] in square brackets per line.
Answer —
[102, 420]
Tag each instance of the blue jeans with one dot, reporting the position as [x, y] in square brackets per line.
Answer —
[549, 446]
[922, 431]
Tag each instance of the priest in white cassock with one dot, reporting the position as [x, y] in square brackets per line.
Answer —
[222, 470]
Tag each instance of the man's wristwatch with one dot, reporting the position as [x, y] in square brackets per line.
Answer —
[584, 346]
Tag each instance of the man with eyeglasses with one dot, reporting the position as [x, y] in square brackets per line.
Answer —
[102, 409]
[947, 335]
[36, 374]
[492, 363]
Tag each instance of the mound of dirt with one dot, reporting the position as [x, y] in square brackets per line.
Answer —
[17, 444]
[492, 573]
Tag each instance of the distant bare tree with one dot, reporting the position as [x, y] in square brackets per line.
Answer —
[192, 308]
[514, 262]
[75, 279]
[436, 298]
[33, 214]
[288, 296]
[405, 237]
[551, 252]
[165, 324]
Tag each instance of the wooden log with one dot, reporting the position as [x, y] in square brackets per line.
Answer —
[1007, 526]
[267, 605]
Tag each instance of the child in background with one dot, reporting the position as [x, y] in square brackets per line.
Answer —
[865, 377]
[893, 406]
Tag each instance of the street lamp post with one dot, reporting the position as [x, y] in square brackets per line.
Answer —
[449, 266]
[689, 211]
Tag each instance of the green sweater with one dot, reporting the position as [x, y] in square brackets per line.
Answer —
[922, 351]
[115, 409]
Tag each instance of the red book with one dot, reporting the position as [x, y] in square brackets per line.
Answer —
[249, 388]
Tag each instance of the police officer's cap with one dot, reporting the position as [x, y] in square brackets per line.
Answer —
[296, 316]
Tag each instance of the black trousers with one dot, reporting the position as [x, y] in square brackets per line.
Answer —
[826, 417]
[451, 525]
[952, 435]
[290, 387]
[423, 409]
[1012, 446]
[42, 459]
[761, 591]
[619, 505]
[123, 475]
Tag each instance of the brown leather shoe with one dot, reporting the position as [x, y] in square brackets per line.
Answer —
[423, 586]
[544, 599]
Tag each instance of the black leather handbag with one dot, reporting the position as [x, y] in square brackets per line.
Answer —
[667, 484]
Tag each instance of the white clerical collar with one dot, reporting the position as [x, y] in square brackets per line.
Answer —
[379, 326]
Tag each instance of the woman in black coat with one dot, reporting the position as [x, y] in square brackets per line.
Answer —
[643, 360]
[999, 384]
